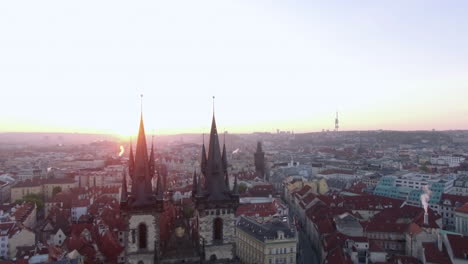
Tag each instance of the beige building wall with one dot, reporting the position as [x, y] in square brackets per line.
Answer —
[251, 250]
[17, 193]
[23, 238]
[49, 188]
[322, 186]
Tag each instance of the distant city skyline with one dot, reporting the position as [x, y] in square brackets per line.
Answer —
[80, 67]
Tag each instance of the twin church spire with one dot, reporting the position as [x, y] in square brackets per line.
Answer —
[142, 169]
[214, 167]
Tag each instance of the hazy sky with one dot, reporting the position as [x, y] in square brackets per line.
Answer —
[79, 66]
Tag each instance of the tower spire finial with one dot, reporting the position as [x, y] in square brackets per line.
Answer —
[213, 105]
[141, 104]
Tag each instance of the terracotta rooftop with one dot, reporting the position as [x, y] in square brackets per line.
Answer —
[459, 246]
[434, 255]
[463, 209]
[23, 211]
[257, 209]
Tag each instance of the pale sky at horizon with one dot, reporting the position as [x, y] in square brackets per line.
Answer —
[80, 66]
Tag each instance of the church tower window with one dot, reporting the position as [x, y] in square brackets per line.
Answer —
[142, 236]
[218, 229]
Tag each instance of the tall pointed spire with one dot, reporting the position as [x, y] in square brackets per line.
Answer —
[199, 191]
[215, 179]
[194, 184]
[141, 183]
[141, 153]
[235, 188]
[152, 165]
[224, 155]
[203, 158]
[225, 163]
[159, 188]
[123, 193]
[131, 161]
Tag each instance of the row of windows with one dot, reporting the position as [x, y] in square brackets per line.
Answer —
[280, 250]
[280, 260]
[219, 212]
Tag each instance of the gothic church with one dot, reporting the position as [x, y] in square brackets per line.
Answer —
[154, 235]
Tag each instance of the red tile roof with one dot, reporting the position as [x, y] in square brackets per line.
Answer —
[307, 200]
[463, 209]
[304, 190]
[23, 211]
[83, 247]
[459, 246]
[257, 209]
[398, 220]
[81, 203]
[454, 198]
[337, 256]
[261, 190]
[109, 246]
[433, 255]
[414, 229]
[374, 247]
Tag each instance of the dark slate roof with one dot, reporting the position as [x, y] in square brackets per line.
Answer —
[264, 231]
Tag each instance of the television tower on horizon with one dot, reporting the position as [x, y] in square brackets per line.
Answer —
[336, 122]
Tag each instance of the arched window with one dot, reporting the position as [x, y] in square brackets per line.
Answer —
[142, 236]
[218, 229]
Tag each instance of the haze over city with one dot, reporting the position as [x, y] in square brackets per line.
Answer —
[234, 132]
[80, 67]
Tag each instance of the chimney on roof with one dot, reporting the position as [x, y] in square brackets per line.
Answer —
[426, 219]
